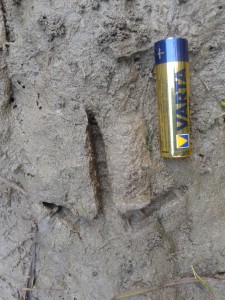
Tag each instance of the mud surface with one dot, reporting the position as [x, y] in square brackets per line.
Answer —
[88, 208]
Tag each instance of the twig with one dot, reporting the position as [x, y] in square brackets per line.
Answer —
[13, 185]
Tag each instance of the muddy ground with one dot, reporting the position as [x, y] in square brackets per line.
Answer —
[88, 207]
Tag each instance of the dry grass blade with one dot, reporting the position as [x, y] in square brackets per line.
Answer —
[205, 85]
[205, 283]
[2, 27]
[222, 103]
[187, 280]
[221, 115]
[133, 293]
[144, 290]
[32, 275]
[37, 289]
[13, 185]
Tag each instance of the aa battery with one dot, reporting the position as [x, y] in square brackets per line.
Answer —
[173, 94]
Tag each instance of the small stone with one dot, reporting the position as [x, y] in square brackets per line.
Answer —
[204, 169]
[221, 120]
[17, 2]
[95, 6]
[81, 11]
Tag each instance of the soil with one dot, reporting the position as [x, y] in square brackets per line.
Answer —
[88, 207]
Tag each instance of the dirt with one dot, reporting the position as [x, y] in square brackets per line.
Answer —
[88, 207]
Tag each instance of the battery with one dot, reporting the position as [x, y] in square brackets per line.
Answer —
[173, 95]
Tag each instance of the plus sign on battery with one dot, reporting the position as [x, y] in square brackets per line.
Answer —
[160, 53]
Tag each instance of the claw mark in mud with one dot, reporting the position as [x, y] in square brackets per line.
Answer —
[136, 215]
[98, 168]
[65, 215]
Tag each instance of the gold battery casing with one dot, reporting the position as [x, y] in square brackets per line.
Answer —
[173, 94]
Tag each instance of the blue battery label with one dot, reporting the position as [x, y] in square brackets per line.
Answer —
[171, 49]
